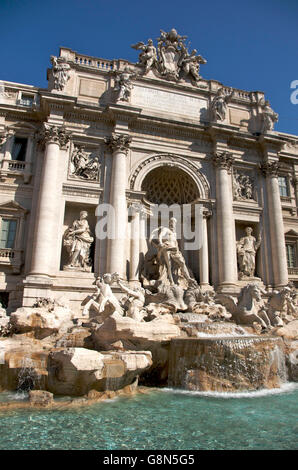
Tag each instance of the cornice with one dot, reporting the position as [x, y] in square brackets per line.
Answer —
[86, 191]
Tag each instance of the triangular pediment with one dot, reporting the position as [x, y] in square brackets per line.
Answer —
[291, 233]
[12, 206]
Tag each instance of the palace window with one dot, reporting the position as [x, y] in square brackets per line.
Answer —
[8, 233]
[19, 149]
[283, 186]
[27, 100]
[291, 254]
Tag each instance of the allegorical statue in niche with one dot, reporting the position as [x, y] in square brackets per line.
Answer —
[246, 252]
[61, 72]
[148, 56]
[123, 85]
[104, 297]
[77, 240]
[269, 117]
[219, 104]
[169, 257]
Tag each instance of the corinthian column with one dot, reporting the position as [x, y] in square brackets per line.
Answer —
[277, 235]
[226, 240]
[45, 245]
[119, 145]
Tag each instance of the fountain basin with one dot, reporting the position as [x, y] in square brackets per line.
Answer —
[227, 364]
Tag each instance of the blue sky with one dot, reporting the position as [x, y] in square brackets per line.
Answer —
[252, 45]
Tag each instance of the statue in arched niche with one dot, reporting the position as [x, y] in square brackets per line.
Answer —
[77, 240]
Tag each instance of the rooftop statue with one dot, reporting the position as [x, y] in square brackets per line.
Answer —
[61, 72]
[269, 117]
[172, 59]
[123, 85]
[219, 104]
[148, 56]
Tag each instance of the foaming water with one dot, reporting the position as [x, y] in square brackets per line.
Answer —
[284, 388]
[199, 334]
[14, 396]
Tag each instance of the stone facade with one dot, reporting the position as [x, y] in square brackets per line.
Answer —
[128, 134]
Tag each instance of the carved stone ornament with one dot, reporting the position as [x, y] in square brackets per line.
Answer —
[242, 187]
[219, 104]
[172, 61]
[270, 168]
[60, 71]
[118, 142]
[223, 160]
[123, 84]
[54, 134]
[84, 165]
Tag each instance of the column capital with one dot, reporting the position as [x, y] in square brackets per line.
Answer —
[118, 142]
[207, 213]
[270, 169]
[223, 160]
[54, 134]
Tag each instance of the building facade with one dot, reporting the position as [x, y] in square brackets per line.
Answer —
[133, 135]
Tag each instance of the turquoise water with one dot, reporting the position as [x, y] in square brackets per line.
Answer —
[163, 419]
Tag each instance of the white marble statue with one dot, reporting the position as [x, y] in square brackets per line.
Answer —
[269, 117]
[123, 85]
[135, 301]
[283, 302]
[61, 72]
[104, 296]
[172, 61]
[77, 240]
[250, 307]
[219, 104]
[148, 56]
[169, 258]
[246, 252]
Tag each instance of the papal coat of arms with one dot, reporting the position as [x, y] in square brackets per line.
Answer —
[171, 60]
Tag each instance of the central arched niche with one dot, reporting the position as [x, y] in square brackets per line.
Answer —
[169, 185]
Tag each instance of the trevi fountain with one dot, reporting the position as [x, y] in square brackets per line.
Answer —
[133, 341]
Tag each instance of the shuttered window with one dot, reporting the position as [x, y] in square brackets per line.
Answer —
[8, 233]
[283, 186]
[291, 255]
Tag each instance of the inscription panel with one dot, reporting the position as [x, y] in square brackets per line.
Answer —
[92, 88]
[175, 103]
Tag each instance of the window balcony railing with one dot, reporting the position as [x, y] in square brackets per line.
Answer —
[11, 257]
[293, 271]
[16, 167]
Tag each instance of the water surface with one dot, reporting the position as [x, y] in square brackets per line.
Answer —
[162, 419]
